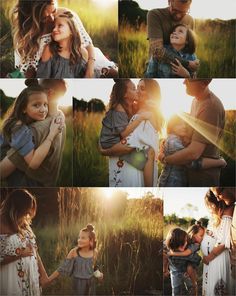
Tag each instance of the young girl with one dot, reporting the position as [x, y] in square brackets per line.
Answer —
[182, 45]
[116, 127]
[177, 242]
[175, 175]
[80, 263]
[64, 57]
[195, 236]
[30, 106]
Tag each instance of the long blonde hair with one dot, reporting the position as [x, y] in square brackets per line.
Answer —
[27, 26]
[18, 209]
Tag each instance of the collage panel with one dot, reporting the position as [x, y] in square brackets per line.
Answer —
[94, 240]
[177, 38]
[36, 132]
[154, 132]
[59, 39]
[199, 241]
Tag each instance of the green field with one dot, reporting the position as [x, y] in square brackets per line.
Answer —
[129, 234]
[215, 50]
[91, 168]
[101, 24]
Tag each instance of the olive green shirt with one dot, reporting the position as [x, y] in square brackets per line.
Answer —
[160, 24]
[207, 121]
[48, 172]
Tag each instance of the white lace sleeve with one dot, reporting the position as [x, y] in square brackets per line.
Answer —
[85, 38]
[223, 233]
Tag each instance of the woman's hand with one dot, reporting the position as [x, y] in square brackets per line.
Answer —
[44, 281]
[180, 70]
[27, 252]
[206, 259]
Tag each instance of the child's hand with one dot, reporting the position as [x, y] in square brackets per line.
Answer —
[194, 65]
[179, 69]
[166, 273]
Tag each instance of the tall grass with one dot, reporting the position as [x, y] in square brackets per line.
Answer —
[216, 49]
[129, 244]
[90, 167]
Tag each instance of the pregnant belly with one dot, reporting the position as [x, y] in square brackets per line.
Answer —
[208, 243]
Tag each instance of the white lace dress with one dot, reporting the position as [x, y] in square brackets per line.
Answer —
[101, 62]
[121, 173]
[216, 275]
[20, 277]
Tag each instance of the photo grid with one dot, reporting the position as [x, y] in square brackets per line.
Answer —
[117, 136]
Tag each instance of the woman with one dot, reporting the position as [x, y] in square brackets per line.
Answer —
[215, 247]
[21, 267]
[145, 136]
[32, 24]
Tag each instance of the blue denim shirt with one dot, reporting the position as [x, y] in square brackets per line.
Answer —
[161, 69]
[173, 175]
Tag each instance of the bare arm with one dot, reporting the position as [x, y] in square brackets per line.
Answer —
[135, 123]
[186, 155]
[37, 156]
[42, 271]
[185, 253]
[116, 150]
[6, 168]
[213, 254]
[213, 163]
[24, 252]
[91, 59]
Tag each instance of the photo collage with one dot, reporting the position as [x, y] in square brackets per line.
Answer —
[118, 147]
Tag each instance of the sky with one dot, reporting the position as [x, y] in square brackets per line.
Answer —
[176, 199]
[174, 98]
[199, 8]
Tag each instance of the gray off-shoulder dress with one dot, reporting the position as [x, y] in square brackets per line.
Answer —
[81, 270]
[58, 67]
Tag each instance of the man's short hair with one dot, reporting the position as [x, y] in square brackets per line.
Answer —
[182, 1]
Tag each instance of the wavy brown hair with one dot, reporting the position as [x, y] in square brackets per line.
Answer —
[153, 89]
[15, 113]
[75, 41]
[27, 24]
[117, 95]
[18, 209]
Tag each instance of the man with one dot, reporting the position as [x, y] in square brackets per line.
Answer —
[47, 174]
[228, 195]
[206, 123]
[160, 23]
